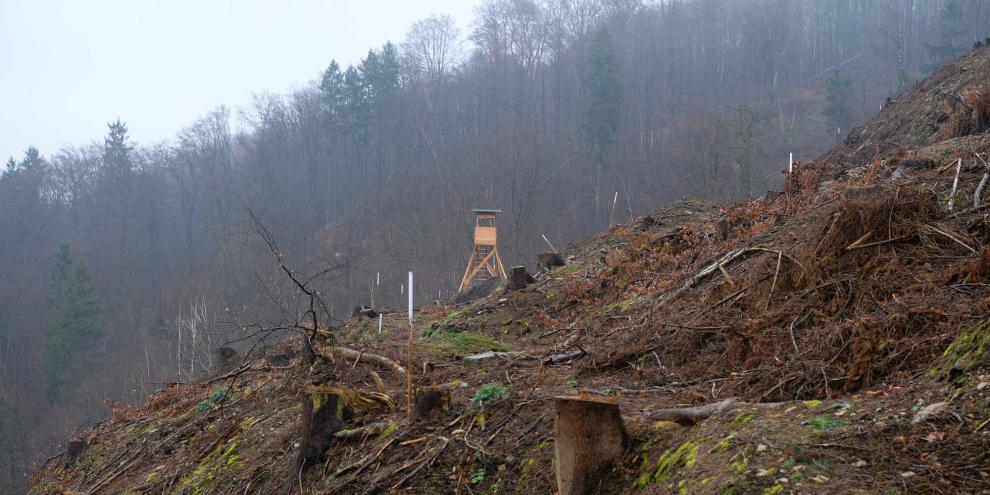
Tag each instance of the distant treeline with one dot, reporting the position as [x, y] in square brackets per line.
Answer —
[562, 113]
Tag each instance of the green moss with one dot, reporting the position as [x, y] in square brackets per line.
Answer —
[724, 445]
[811, 404]
[825, 423]
[739, 463]
[773, 490]
[967, 351]
[672, 460]
[389, 429]
[743, 418]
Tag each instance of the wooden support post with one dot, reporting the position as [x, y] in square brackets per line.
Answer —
[590, 436]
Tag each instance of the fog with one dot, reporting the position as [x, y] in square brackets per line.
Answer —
[68, 67]
[360, 135]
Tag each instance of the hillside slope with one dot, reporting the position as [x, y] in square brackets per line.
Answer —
[845, 315]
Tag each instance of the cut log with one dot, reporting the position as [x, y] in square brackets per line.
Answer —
[517, 278]
[549, 260]
[687, 416]
[364, 357]
[563, 358]
[484, 356]
[590, 437]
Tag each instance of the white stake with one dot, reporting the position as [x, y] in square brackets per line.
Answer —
[379, 324]
[410, 297]
[790, 164]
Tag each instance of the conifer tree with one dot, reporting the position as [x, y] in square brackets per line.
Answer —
[603, 93]
[75, 319]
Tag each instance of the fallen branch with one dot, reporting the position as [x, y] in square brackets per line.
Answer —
[955, 185]
[329, 351]
[950, 236]
[563, 358]
[979, 190]
[691, 415]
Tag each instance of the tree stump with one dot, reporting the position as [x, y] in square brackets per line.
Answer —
[429, 402]
[517, 278]
[590, 437]
[549, 260]
[73, 451]
[228, 359]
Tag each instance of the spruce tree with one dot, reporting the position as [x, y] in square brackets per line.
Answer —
[75, 319]
[603, 93]
[838, 102]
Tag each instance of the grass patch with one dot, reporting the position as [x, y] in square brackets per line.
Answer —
[825, 423]
[450, 345]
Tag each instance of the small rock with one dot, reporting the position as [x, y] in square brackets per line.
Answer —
[820, 478]
[908, 474]
[763, 473]
[928, 411]
[982, 385]
[510, 459]
[761, 448]
[783, 481]
[859, 463]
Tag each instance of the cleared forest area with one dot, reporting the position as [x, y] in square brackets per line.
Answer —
[127, 265]
[827, 337]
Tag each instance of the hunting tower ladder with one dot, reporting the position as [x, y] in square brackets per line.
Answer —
[485, 263]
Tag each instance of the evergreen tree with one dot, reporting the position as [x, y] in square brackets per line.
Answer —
[75, 319]
[604, 95]
[950, 30]
[117, 165]
[838, 103]
[603, 98]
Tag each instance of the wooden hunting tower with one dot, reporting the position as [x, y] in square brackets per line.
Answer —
[485, 263]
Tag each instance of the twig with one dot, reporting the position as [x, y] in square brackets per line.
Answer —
[878, 243]
[955, 185]
[950, 236]
[425, 462]
[859, 241]
[794, 341]
[979, 190]
[773, 286]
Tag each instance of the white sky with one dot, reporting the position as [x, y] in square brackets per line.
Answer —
[67, 67]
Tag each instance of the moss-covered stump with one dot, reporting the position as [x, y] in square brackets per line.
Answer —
[965, 353]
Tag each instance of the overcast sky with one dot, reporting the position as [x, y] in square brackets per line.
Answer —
[69, 66]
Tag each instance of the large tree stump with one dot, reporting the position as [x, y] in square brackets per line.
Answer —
[590, 438]
[517, 278]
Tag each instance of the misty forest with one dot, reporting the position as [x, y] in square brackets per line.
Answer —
[125, 266]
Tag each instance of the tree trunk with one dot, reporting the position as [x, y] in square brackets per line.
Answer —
[590, 437]
[517, 278]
